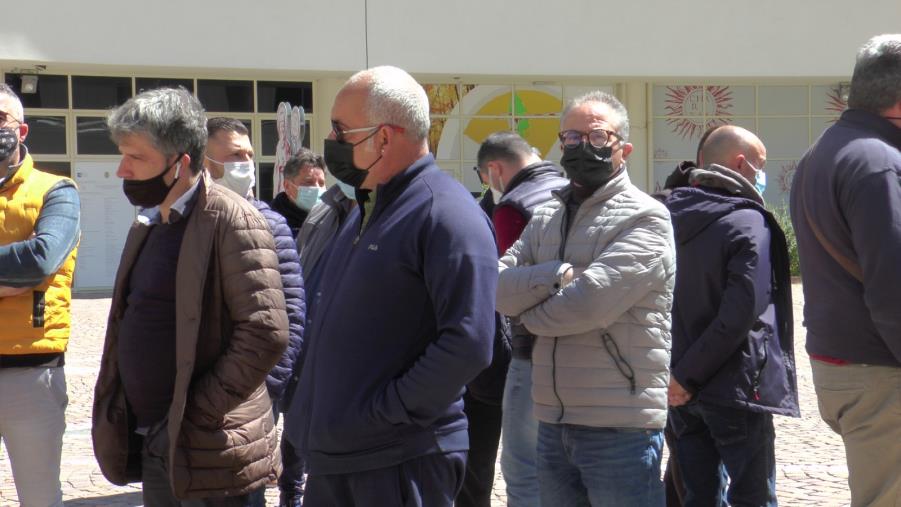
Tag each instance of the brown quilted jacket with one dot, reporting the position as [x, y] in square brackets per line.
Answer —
[231, 329]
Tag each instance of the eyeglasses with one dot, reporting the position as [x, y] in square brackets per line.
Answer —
[7, 118]
[479, 173]
[597, 137]
[340, 133]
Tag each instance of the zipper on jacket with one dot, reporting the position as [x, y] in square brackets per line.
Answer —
[755, 383]
[564, 231]
[554, 380]
[621, 364]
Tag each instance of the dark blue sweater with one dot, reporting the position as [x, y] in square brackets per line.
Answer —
[404, 322]
[850, 181]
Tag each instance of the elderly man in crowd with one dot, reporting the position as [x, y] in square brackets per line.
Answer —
[846, 210]
[592, 277]
[405, 319]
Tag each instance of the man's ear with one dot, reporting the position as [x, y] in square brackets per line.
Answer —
[23, 132]
[627, 149]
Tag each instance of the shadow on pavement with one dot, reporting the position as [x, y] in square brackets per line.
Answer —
[119, 500]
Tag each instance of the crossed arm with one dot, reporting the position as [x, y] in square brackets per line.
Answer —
[27, 263]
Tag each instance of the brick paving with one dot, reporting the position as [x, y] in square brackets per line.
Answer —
[810, 458]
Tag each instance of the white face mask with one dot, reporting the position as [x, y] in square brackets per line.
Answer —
[239, 177]
[496, 192]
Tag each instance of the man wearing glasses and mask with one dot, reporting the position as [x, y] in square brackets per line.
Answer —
[405, 319]
[39, 231]
[592, 278]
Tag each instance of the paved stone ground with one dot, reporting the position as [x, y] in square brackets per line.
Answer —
[810, 458]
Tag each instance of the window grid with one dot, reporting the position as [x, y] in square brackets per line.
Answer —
[71, 114]
[772, 161]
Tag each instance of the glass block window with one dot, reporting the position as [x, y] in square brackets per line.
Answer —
[787, 118]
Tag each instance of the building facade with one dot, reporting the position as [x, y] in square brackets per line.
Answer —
[778, 68]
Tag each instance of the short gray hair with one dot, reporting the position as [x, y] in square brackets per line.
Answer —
[19, 112]
[395, 98]
[620, 122]
[171, 118]
[876, 82]
[304, 157]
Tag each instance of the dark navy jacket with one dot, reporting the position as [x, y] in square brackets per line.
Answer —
[405, 322]
[295, 304]
[532, 186]
[850, 181]
[732, 318]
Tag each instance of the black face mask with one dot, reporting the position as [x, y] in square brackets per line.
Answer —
[588, 166]
[149, 193]
[339, 157]
[9, 143]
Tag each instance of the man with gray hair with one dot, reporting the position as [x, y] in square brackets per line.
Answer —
[405, 318]
[304, 186]
[846, 211]
[39, 231]
[196, 323]
[592, 278]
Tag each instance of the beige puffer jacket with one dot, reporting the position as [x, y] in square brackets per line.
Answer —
[611, 322]
[231, 329]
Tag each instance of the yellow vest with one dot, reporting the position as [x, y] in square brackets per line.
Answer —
[36, 321]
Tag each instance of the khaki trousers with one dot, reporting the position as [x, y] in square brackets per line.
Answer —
[862, 403]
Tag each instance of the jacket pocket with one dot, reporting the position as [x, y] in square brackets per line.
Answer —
[37, 309]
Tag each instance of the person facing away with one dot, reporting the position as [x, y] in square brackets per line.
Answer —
[197, 321]
[304, 185]
[405, 317]
[519, 181]
[39, 234]
[592, 277]
[846, 211]
[733, 351]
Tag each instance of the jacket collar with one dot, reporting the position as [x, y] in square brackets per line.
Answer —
[619, 183]
[531, 171]
[389, 190]
[721, 177]
[873, 122]
[18, 173]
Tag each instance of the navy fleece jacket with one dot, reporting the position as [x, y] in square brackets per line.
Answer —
[404, 322]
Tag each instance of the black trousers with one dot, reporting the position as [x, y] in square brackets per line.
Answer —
[431, 480]
[484, 436]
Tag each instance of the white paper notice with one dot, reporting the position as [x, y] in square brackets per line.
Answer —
[106, 216]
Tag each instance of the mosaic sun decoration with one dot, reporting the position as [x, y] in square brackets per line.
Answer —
[711, 102]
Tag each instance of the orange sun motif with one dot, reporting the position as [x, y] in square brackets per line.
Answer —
[692, 100]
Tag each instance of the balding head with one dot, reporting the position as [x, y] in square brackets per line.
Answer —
[735, 148]
[393, 97]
